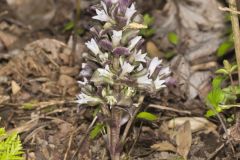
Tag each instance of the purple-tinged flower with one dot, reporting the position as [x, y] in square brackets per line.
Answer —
[106, 44]
[121, 51]
[158, 83]
[102, 15]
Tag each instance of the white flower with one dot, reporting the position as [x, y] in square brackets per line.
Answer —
[144, 80]
[154, 63]
[139, 57]
[105, 72]
[82, 98]
[116, 37]
[164, 72]
[134, 42]
[159, 83]
[114, 1]
[103, 57]
[92, 45]
[102, 15]
[130, 12]
[140, 67]
[84, 82]
[126, 68]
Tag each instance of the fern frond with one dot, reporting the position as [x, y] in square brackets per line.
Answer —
[11, 147]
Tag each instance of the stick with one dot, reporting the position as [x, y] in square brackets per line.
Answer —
[236, 33]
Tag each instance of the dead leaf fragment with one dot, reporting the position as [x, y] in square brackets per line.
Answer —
[164, 146]
[15, 87]
[153, 50]
[197, 124]
[184, 139]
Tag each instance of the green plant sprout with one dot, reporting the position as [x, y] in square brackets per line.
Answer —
[10, 146]
[222, 98]
[148, 21]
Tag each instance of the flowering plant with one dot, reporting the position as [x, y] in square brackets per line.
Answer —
[117, 75]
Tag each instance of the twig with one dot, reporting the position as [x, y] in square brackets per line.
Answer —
[84, 137]
[212, 155]
[69, 147]
[236, 33]
[226, 9]
[170, 109]
[130, 122]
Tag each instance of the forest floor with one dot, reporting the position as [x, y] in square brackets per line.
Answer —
[38, 80]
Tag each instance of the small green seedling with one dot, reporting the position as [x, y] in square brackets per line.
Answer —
[173, 38]
[222, 98]
[148, 21]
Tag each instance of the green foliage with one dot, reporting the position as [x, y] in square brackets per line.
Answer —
[224, 48]
[147, 116]
[148, 21]
[70, 27]
[173, 38]
[10, 147]
[222, 98]
[96, 130]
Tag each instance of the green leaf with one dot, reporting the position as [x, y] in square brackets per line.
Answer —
[69, 26]
[148, 20]
[147, 116]
[227, 66]
[173, 38]
[217, 81]
[96, 130]
[215, 97]
[222, 71]
[224, 48]
[234, 67]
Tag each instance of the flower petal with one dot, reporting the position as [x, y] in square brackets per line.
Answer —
[121, 51]
[139, 57]
[153, 65]
[126, 68]
[134, 42]
[92, 45]
[116, 37]
[101, 16]
[130, 12]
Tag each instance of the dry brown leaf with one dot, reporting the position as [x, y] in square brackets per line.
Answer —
[15, 87]
[164, 146]
[4, 98]
[7, 39]
[184, 139]
[197, 124]
[153, 50]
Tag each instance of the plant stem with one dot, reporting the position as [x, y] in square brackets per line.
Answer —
[130, 122]
[236, 33]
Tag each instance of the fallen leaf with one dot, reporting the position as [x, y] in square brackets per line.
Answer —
[15, 87]
[197, 124]
[184, 139]
[153, 50]
[164, 146]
